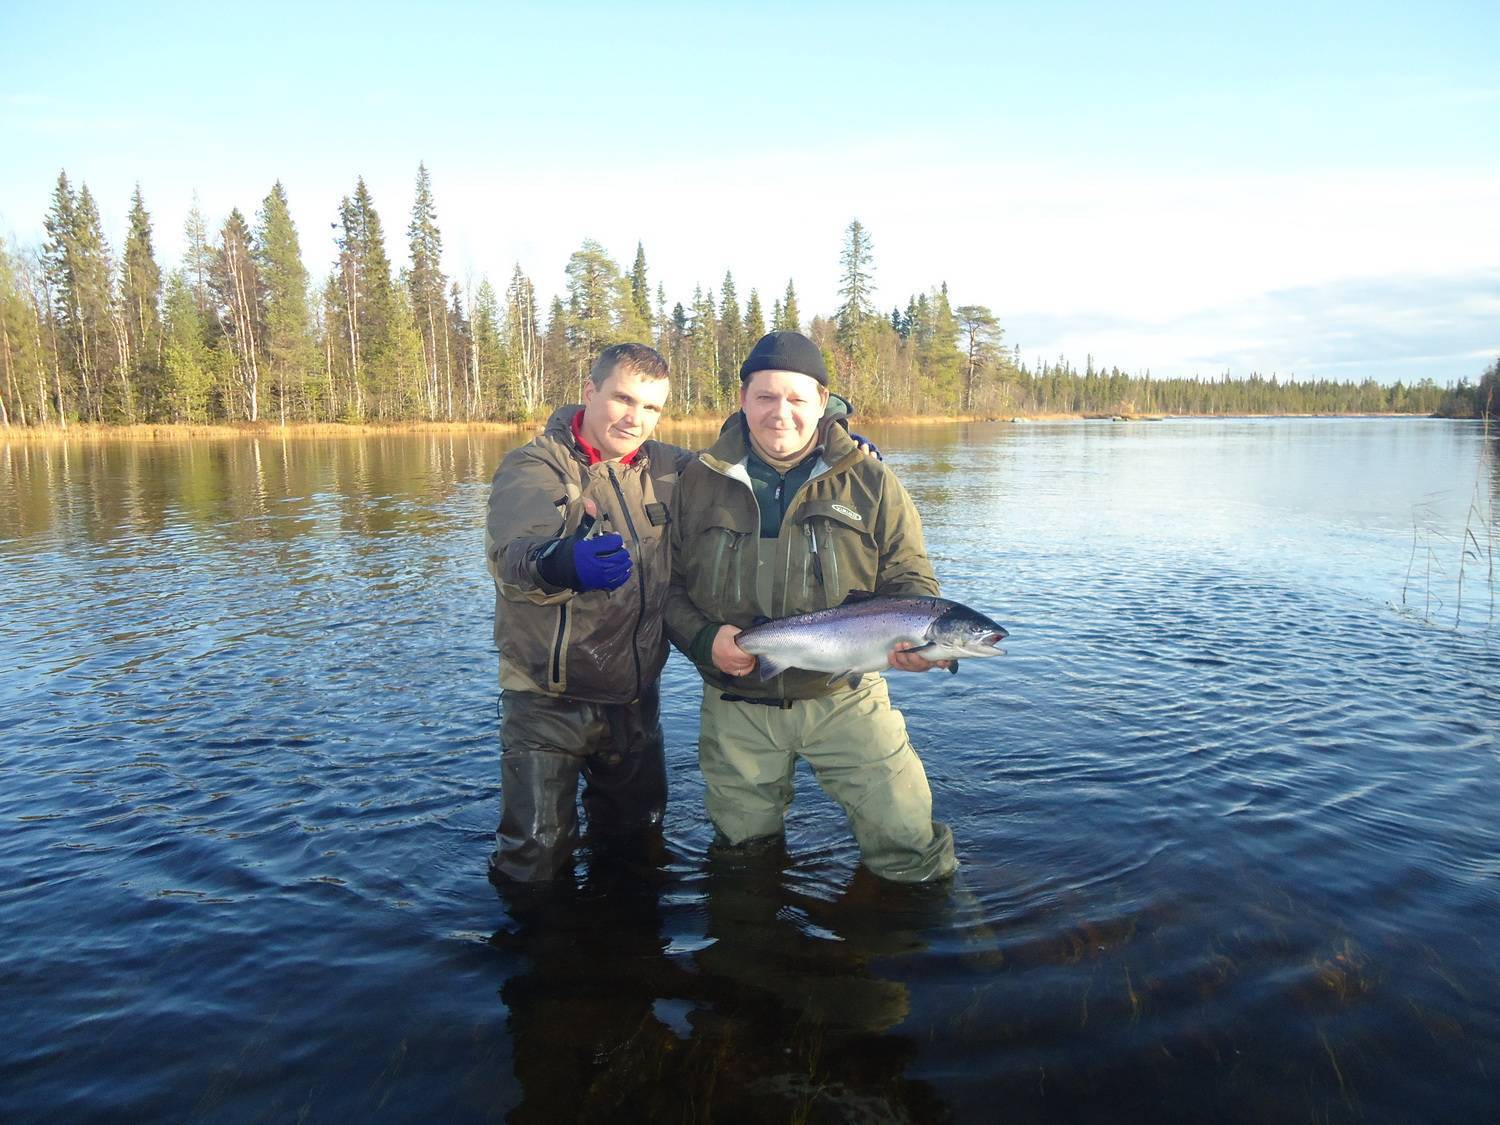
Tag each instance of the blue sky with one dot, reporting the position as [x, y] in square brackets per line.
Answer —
[1186, 188]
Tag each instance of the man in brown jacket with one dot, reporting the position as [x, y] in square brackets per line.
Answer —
[576, 539]
[781, 516]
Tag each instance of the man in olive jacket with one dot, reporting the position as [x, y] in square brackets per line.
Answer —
[781, 516]
[576, 539]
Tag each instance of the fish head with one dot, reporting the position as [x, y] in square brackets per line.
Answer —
[962, 631]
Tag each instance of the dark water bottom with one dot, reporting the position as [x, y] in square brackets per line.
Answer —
[673, 988]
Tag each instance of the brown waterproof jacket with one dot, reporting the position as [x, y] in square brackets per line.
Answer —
[600, 646]
[851, 527]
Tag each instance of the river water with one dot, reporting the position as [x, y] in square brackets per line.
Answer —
[1227, 809]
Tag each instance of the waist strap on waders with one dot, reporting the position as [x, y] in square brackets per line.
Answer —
[780, 704]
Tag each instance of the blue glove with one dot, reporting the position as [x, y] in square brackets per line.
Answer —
[602, 563]
[578, 563]
[867, 445]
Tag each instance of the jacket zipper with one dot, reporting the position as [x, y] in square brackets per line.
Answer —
[640, 578]
[557, 644]
[833, 564]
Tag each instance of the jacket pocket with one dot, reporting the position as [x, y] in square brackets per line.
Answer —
[714, 564]
[843, 555]
[715, 578]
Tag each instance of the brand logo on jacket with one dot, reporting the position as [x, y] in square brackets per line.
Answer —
[853, 515]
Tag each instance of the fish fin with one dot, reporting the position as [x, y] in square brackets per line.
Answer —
[852, 676]
[853, 597]
[953, 667]
[921, 648]
[759, 619]
[767, 668]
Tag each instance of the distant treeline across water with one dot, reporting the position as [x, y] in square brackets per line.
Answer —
[241, 330]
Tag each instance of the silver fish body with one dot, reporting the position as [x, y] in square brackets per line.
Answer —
[858, 636]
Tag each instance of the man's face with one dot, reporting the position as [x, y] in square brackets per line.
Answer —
[783, 409]
[621, 414]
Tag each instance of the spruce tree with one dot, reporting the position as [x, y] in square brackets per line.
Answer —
[427, 285]
[494, 391]
[140, 302]
[288, 336]
[855, 286]
[731, 336]
[640, 289]
[364, 304]
[755, 320]
[791, 318]
[76, 266]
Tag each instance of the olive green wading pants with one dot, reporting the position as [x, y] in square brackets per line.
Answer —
[856, 744]
[547, 744]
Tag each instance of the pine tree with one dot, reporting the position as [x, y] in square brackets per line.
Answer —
[981, 334]
[598, 301]
[288, 338]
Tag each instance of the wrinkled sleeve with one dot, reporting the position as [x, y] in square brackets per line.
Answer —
[526, 510]
[684, 620]
[904, 566]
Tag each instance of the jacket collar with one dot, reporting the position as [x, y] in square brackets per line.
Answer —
[560, 428]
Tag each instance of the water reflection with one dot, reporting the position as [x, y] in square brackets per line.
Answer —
[778, 1012]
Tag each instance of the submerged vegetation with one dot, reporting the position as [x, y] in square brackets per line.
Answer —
[242, 331]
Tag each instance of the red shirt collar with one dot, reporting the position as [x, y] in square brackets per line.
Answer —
[588, 450]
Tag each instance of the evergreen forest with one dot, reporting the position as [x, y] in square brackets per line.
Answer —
[241, 330]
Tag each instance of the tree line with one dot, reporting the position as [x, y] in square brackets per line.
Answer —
[241, 330]
[1474, 400]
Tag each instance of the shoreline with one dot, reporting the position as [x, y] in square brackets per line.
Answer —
[182, 431]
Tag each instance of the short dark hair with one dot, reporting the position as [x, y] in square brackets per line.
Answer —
[644, 361]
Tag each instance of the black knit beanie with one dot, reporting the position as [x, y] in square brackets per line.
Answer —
[785, 351]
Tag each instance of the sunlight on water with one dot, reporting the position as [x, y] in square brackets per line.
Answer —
[1226, 809]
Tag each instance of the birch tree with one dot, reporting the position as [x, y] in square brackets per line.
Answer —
[239, 305]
